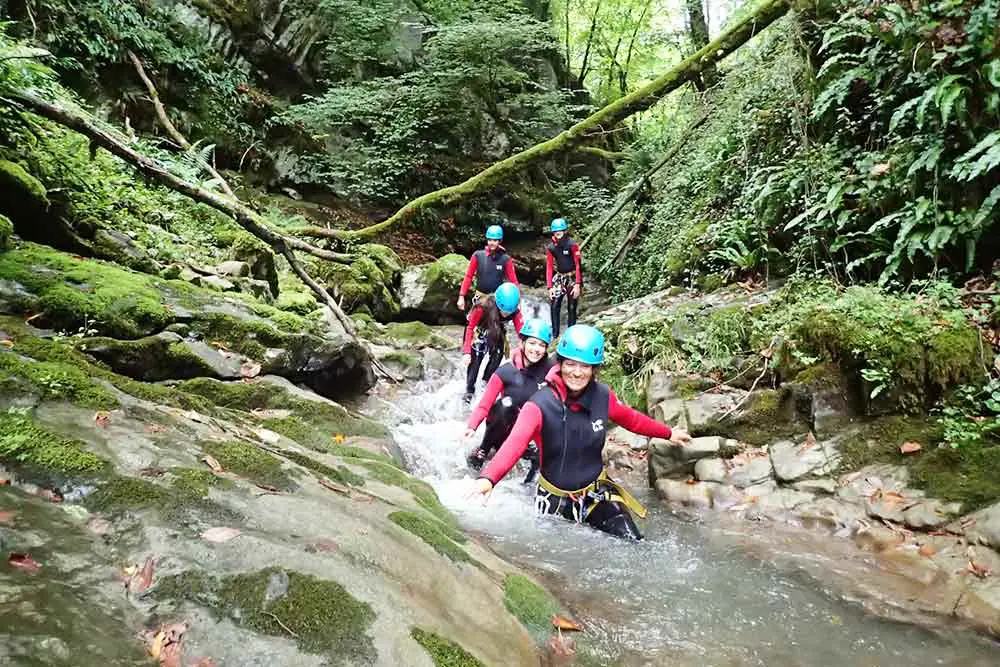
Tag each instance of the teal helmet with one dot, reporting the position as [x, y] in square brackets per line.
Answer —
[494, 233]
[507, 297]
[582, 343]
[538, 328]
[559, 225]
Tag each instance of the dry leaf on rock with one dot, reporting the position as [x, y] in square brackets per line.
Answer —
[212, 463]
[24, 562]
[333, 486]
[980, 571]
[140, 581]
[339, 438]
[321, 547]
[563, 623]
[102, 417]
[910, 447]
[7, 343]
[6, 516]
[220, 534]
[249, 370]
[926, 550]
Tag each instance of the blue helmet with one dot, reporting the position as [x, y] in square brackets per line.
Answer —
[538, 328]
[507, 297]
[494, 233]
[582, 343]
[559, 225]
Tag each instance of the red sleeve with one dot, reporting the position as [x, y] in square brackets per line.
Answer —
[469, 272]
[548, 269]
[518, 321]
[528, 427]
[510, 272]
[493, 389]
[576, 260]
[475, 315]
[635, 421]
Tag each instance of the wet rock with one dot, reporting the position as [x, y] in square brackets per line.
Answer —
[781, 501]
[705, 411]
[858, 486]
[930, 514]
[428, 291]
[819, 486]
[698, 494]
[436, 363]
[233, 269]
[259, 258]
[15, 298]
[402, 363]
[739, 473]
[671, 411]
[217, 283]
[277, 586]
[414, 336]
[794, 460]
[982, 526]
[833, 513]
[165, 356]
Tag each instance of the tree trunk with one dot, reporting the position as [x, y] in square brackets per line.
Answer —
[590, 41]
[606, 118]
[698, 31]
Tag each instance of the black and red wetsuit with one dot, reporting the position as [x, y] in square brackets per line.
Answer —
[514, 383]
[477, 344]
[562, 268]
[490, 271]
[570, 435]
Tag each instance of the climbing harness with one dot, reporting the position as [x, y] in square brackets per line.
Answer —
[563, 283]
[603, 489]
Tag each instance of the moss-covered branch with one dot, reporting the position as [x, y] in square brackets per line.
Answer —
[608, 117]
[602, 153]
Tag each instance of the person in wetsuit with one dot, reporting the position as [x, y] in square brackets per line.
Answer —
[491, 267]
[568, 419]
[563, 276]
[486, 333]
[514, 383]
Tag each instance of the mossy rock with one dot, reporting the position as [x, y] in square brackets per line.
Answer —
[301, 303]
[431, 532]
[336, 474]
[21, 189]
[197, 481]
[444, 652]
[6, 231]
[768, 415]
[429, 291]
[530, 604]
[183, 503]
[415, 335]
[322, 616]
[26, 444]
[259, 257]
[370, 283]
[422, 492]
[252, 462]
[53, 380]
[405, 363]
[165, 356]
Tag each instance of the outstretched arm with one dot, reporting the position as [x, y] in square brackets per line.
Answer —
[493, 389]
[576, 261]
[635, 421]
[528, 427]
[469, 272]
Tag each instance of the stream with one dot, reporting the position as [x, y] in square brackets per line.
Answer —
[692, 593]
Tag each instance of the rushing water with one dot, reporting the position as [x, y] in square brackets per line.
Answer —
[687, 595]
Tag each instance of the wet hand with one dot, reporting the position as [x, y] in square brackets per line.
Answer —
[680, 436]
[469, 434]
[466, 359]
[576, 291]
[460, 303]
[481, 488]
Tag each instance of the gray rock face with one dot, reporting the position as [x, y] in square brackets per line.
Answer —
[233, 269]
[793, 461]
[984, 526]
[738, 473]
[428, 291]
[164, 356]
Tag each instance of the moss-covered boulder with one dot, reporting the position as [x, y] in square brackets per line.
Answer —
[369, 284]
[259, 258]
[415, 336]
[164, 356]
[301, 303]
[6, 231]
[429, 291]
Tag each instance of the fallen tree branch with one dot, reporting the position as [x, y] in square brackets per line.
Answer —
[624, 244]
[607, 117]
[602, 153]
[641, 183]
[246, 218]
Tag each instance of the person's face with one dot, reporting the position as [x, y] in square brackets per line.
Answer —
[492, 244]
[558, 235]
[576, 375]
[534, 350]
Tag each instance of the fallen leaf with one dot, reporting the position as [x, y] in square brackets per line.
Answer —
[980, 571]
[690, 480]
[563, 623]
[560, 645]
[926, 550]
[24, 562]
[4, 481]
[141, 582]
[212, 463]
[7, 343]
[102, 417]
[6, 516]
[157, 646]
[910, 447]
[250, 369]
[220, 534]
[321, 547]
[333, 486]
[268, 488]
[339, 438]
[809, 443]
[152, 471]
[155, 428]
[203, 662]
[166, 644]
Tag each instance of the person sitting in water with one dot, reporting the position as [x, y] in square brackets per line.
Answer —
[486, 333]
[514, 383]
[568, 419]
[491, 267]
[563, 276]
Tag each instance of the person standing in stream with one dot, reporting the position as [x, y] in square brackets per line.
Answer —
[514, 383]
[563, 276]
[486, 333]
[491, 267]
[568, 419]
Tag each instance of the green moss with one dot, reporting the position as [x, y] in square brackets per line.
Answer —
[251, 462]
[14, 177]
[126, 493]
[530, 604]
[56, 380]
[324, 617]
[349, 451]
[878, 440]
[23, 442]
[72, 290]
[767, 416]
[416, 335]
[431, 532]
[301, 303]
[150, 359]
[316, 422]
[449, 268]
[823, 374]
[954, 357]
[251, 338]
[407, 360]
[338, 474]
[443, 652]
[367, 283]
[422, 492]
[968, 476]
[196, 482]
[6, 231]
[711, 282]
